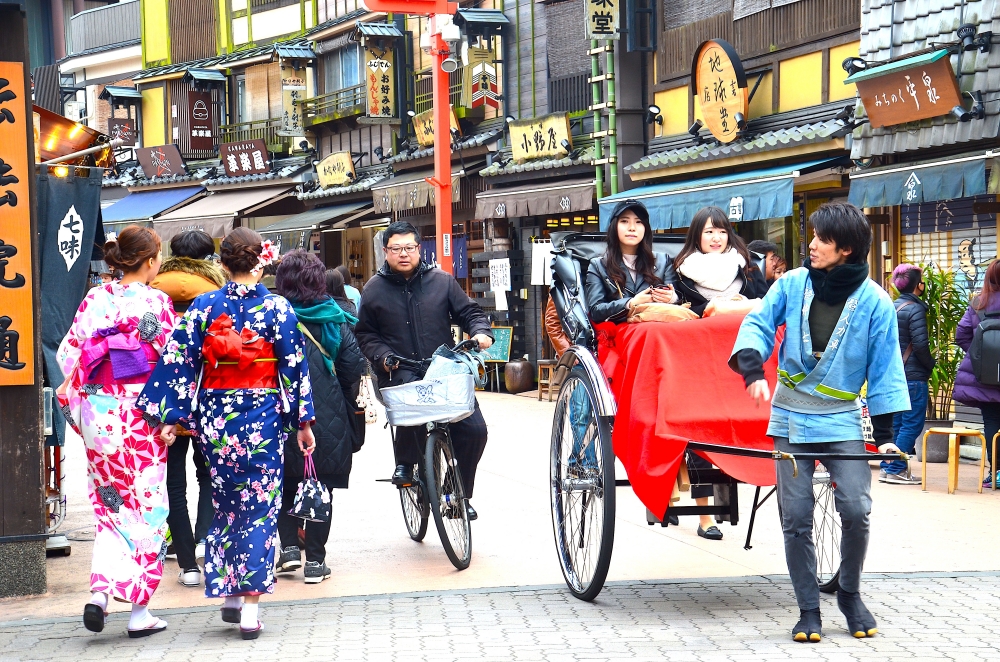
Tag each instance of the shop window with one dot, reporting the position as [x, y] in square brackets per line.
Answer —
[342, 69]
[241, 100]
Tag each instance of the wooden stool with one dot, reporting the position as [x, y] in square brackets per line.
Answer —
[545, 378]
[954, 437]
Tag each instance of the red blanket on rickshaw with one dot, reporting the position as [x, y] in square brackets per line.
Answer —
[673, 384]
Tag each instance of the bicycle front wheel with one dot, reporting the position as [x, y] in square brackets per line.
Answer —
[415, 510]
[446, 496]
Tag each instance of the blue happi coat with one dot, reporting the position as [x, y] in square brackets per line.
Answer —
[241, 431]
[864, 348]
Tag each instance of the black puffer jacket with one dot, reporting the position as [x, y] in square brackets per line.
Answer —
[754, 287]
[333, 429]
[606, 302]
[912, 320]
[412, 318]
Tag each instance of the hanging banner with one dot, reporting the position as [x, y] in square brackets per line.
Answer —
[603, 19]
[480, 86]
[160, 161]
[540, 137]
[381, 90]
[68, 224]
[293, 90]
[423, 126]
[720, 86]
[336, 170]
[200, 120]
[17, 330]
[248, 157]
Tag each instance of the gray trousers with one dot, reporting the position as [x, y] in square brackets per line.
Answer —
[852, 496]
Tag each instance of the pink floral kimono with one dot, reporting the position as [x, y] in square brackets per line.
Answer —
[116, 339]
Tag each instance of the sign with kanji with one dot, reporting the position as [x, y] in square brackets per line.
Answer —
[910, 94]
[248, 157]
[540, 137]
[160, 161]
[423, 126]
[603, 18]
[122, 129]
[293, 90]
[381, 80]
[719, 85]
[200, 120]
[336, 170]
[17, 334]
[481, 87]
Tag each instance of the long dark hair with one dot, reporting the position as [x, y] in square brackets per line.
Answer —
[991, 285]
[718, 219]
[645, 260]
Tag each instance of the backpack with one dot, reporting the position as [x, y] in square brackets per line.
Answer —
[984, 352]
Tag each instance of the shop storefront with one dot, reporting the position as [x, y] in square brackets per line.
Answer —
[143, 207]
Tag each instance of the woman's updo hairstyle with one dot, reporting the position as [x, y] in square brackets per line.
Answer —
[134, 245]
[240, 251]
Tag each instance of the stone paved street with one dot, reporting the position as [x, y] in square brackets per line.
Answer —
[922, 616]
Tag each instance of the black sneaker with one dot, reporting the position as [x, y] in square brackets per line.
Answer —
[316, 572]
[403, 475]
[290, 560]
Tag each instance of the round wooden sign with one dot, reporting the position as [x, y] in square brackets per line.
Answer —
[720, 86]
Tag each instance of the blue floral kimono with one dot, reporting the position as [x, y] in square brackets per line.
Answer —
[241, 425]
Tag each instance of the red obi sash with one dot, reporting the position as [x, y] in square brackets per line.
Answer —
[237, 360]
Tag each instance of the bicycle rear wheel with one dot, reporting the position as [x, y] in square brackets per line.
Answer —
[415, 510]
[446, 496]
[582, 487]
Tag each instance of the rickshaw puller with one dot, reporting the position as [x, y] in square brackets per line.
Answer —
[841, 332]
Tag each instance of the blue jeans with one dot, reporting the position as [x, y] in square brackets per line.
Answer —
[907, 425]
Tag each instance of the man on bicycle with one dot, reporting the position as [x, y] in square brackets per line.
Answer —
[407, 310]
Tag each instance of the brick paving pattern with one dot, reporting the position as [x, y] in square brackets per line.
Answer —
[925, 616]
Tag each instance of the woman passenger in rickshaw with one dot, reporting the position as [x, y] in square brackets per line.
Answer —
[628, 274]
[714, 264]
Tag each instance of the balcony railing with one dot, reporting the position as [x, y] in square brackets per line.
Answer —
[346, 102]
[570, 94]
[253, 130]
[104, 26]
[424, 90]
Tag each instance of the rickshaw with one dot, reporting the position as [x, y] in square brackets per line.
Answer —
[582, 458]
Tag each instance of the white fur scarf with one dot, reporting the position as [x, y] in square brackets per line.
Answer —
[714, 271]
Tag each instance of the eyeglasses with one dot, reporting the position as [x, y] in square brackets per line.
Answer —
[399, 250]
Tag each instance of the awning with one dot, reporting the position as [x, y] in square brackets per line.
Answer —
[215, 212]
[204, 76]
[410, 191]
[536, 200]
[146, 205]
[310, 220]
[745, 196]
[119, 92]
[947, 179]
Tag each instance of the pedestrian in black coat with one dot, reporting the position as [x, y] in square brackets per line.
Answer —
[335, 369]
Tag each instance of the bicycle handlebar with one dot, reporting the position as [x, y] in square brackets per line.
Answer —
[394, 361]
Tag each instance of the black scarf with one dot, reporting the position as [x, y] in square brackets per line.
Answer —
[834, 286]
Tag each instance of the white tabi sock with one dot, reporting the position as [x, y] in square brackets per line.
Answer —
[248, 617]
[141, 618]
[233, 602]
[99, 599]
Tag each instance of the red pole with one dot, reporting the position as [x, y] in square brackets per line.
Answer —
[442, 152]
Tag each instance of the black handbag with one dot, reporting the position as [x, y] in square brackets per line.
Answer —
[312, 500]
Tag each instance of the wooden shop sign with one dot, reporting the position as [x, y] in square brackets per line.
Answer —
[909, 90]
[423, 126]
[540, 137]
[336, 169]
[720, 87]
[17, 334]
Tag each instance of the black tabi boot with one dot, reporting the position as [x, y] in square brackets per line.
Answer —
[860, 622]
[809, 628]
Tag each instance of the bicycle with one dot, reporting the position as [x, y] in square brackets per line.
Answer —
[437, 488]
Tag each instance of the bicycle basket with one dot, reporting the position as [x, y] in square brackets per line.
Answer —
[447, 399]
[447, 361]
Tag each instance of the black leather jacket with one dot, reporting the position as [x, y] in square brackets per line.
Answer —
[912, 321]
[606, 302]
[754, 287]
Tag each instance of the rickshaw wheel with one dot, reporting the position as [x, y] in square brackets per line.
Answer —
[582, 487]
[826, 532]
[415, 510]
[446, 496]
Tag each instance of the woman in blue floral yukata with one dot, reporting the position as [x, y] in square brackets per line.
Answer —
[235, 372]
